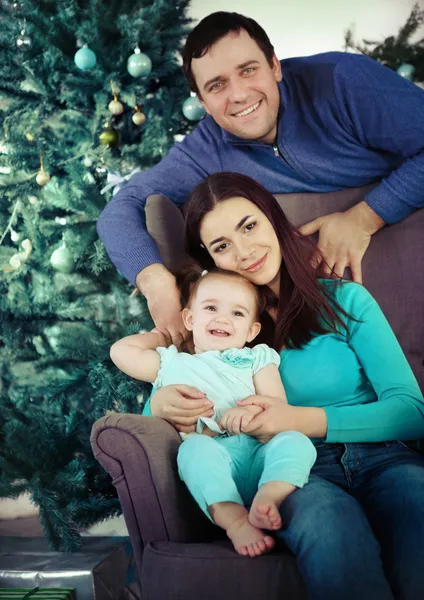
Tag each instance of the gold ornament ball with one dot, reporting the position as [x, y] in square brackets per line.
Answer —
[116, 107]
[42, 178]
[139, 118]
[29, 137]
[110, 137]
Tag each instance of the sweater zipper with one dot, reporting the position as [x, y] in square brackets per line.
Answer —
[276, 151]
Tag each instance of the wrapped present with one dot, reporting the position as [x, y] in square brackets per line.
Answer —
[36, 594]
[102, 569]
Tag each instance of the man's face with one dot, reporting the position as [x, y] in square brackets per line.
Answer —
[238, 88]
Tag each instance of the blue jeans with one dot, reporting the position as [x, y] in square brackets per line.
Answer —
[357, 527]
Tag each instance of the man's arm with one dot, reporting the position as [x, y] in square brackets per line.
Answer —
[385, 113]
[122, 224]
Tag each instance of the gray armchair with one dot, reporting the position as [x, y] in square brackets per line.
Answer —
[179, 554]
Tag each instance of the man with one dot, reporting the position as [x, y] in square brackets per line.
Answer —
[311, 124]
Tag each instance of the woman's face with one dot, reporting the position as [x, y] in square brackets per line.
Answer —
[240, 238]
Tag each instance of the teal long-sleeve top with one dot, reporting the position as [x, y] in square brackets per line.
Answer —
[360, 378]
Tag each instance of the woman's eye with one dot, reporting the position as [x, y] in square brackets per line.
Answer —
[250, 226]
[221, 248]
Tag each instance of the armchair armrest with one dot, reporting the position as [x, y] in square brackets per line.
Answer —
[140, 454]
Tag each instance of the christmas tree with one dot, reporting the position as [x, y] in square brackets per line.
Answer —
[397, 52]
[88, 90]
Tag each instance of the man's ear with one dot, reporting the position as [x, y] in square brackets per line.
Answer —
[187, 316]
[276, 67]
[254, 331]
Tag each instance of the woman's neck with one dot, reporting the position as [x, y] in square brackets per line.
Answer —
[274, 285]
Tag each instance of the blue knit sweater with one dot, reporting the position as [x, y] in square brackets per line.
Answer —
[345, 121]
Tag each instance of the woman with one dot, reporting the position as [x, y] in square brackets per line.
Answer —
[357, 527]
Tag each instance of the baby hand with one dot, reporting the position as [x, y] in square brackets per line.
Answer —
[236, 419]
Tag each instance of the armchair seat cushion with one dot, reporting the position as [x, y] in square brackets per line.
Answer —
[179, 571]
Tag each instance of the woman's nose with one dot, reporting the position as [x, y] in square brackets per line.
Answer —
[244, 251]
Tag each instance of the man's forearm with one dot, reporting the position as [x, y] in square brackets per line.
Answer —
[148, 275]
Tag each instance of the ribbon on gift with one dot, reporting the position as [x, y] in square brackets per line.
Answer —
[115, 178]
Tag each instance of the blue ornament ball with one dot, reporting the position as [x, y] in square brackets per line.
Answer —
[193, 109]
[407, 71]
[85, 58]
[139, 64]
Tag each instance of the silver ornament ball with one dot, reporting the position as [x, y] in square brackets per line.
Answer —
[24, 42]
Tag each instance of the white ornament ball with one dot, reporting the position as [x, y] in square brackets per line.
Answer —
[42, 178]
[116, 107]
[62, 260]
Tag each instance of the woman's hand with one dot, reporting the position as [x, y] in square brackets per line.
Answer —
[234, 420]
[181, 405]
[277, 416]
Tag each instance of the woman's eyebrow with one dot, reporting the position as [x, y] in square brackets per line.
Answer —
[236, 228]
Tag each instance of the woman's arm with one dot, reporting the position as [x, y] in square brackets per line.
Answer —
[398, 412]
[278, 416]
[136, 355]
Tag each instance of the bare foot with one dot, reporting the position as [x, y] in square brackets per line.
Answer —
[249, 540]
[264, 512]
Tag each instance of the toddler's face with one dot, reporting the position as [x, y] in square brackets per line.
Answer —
[222, 314]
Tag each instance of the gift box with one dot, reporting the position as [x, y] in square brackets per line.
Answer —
[102, 569]
[37, 594]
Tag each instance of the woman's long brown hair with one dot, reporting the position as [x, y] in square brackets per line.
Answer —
[305, 306]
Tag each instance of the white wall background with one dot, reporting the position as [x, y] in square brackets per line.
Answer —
[304, 27]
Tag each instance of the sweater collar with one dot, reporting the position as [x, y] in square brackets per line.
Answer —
[230, 138]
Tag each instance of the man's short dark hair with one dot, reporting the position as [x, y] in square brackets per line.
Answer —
[214, 27]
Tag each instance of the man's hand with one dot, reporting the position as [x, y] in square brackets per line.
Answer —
[181, 405]
[236, 419]
[159, 287]
[344, 238]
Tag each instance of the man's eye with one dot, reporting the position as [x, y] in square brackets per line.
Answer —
[248, 70]
[215, 86]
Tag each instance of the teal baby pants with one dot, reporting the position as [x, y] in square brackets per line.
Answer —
[232, 469]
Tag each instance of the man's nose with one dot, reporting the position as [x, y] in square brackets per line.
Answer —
[238, 91]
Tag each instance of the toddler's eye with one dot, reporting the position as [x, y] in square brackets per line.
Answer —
[211, 308]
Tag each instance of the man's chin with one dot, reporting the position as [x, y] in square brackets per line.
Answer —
[255, 135]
